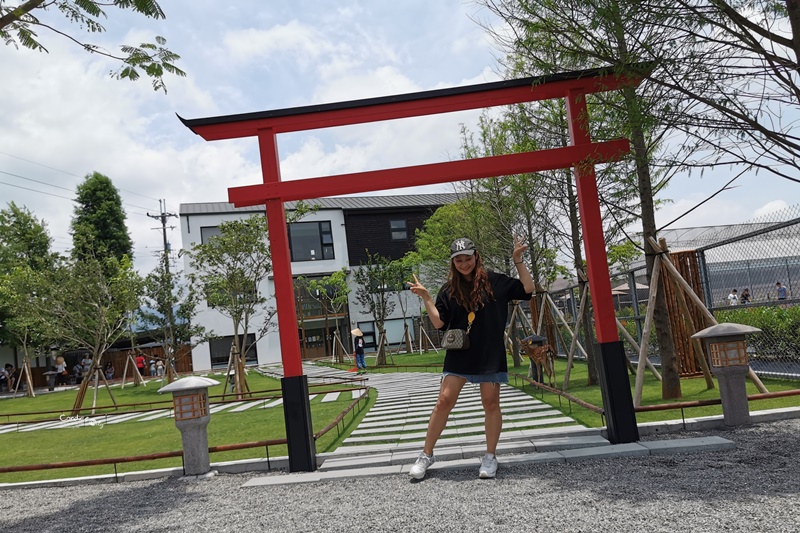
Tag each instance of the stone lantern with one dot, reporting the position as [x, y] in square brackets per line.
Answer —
[190, 404]
[727, 353]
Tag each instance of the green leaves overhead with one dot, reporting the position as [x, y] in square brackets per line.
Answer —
[17, 25]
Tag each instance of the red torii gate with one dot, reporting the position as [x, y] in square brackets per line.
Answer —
[582, 154]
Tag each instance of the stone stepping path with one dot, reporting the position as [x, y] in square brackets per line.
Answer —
[395, 426]
[399, 416]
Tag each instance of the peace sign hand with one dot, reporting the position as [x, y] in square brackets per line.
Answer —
[418, 288]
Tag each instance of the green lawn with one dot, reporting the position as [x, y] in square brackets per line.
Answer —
[160, 435]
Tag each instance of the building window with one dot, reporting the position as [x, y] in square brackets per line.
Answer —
[311, 241]
[368, 329]
[207, 232]
[221, 350]
[399, 230]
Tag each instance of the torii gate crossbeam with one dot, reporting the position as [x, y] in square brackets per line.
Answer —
[582, 155]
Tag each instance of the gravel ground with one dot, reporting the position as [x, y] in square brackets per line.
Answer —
[753, 488]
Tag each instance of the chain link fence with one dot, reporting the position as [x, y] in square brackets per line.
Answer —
[752, 258]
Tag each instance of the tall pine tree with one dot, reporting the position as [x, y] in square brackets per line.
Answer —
[98, 226]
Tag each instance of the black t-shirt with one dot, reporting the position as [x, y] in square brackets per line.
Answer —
[487, 352]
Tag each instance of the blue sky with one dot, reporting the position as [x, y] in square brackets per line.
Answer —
[63, 117]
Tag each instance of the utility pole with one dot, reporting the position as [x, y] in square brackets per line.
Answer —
[170, 355]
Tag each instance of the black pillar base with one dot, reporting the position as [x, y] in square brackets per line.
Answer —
[616, 390]
[299, 433]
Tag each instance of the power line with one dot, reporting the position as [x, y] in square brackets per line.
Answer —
[57, 187]
[35, 181]
[34, 190]
[71, 174]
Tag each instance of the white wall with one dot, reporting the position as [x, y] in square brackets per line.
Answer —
[268, 348]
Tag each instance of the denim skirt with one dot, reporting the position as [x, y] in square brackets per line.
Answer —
[497, 377]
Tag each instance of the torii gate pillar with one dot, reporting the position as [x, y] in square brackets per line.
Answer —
[582, 155]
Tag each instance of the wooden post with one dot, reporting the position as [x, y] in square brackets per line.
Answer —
[701, 306]
[648, 321]
[635, 345]
[698, 346]
[578, 319]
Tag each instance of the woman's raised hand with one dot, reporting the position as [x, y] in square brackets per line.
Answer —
[519, 249]
[418, 288]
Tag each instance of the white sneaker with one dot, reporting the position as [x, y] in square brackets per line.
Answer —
[421, 466]
[488, 467]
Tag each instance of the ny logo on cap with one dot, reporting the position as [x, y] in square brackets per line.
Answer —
[461, 244]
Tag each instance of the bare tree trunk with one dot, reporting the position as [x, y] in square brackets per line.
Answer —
[670, 383]
[380, 358]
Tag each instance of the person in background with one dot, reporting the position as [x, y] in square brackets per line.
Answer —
[11, 374]
[109, 371]
[77, 373]
[477, 300]
[140, 360]
[160, 368]
[745, 297]
[152, 367]
[86, 365]
[733, 298]
[4, 377]
[781, 291]
[61, 368]
[358, 352]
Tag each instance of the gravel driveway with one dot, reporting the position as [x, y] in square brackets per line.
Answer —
[754, 488]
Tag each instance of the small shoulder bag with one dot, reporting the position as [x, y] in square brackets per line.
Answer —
[458, 339]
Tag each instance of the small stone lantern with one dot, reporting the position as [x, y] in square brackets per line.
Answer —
[727, 352]
[190, 403]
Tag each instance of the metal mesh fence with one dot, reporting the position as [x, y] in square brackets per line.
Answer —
[751, 258]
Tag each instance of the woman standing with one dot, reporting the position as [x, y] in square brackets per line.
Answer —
[61, 368]
[475, 299]
[358, 342]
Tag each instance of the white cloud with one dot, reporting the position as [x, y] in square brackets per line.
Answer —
[301, 43]
[62, 110]
[771, 207]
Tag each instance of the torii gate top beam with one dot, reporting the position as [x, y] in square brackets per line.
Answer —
[414, 104]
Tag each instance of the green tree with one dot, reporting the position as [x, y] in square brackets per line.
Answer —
[19, 25]
[551, 37]
[98, 223]
[87, 304]
[24, 249]
[332, 292]
[170, 306]
[376, 280]
[23, 323]
[403, 269]
[231, 271]
[431, 254]
[24, 240]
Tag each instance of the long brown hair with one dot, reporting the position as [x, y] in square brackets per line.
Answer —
[470, 293]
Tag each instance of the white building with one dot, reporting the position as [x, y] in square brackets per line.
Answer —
[337, 235]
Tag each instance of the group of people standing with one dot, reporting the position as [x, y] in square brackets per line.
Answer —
[156, 367]
[734, 298]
